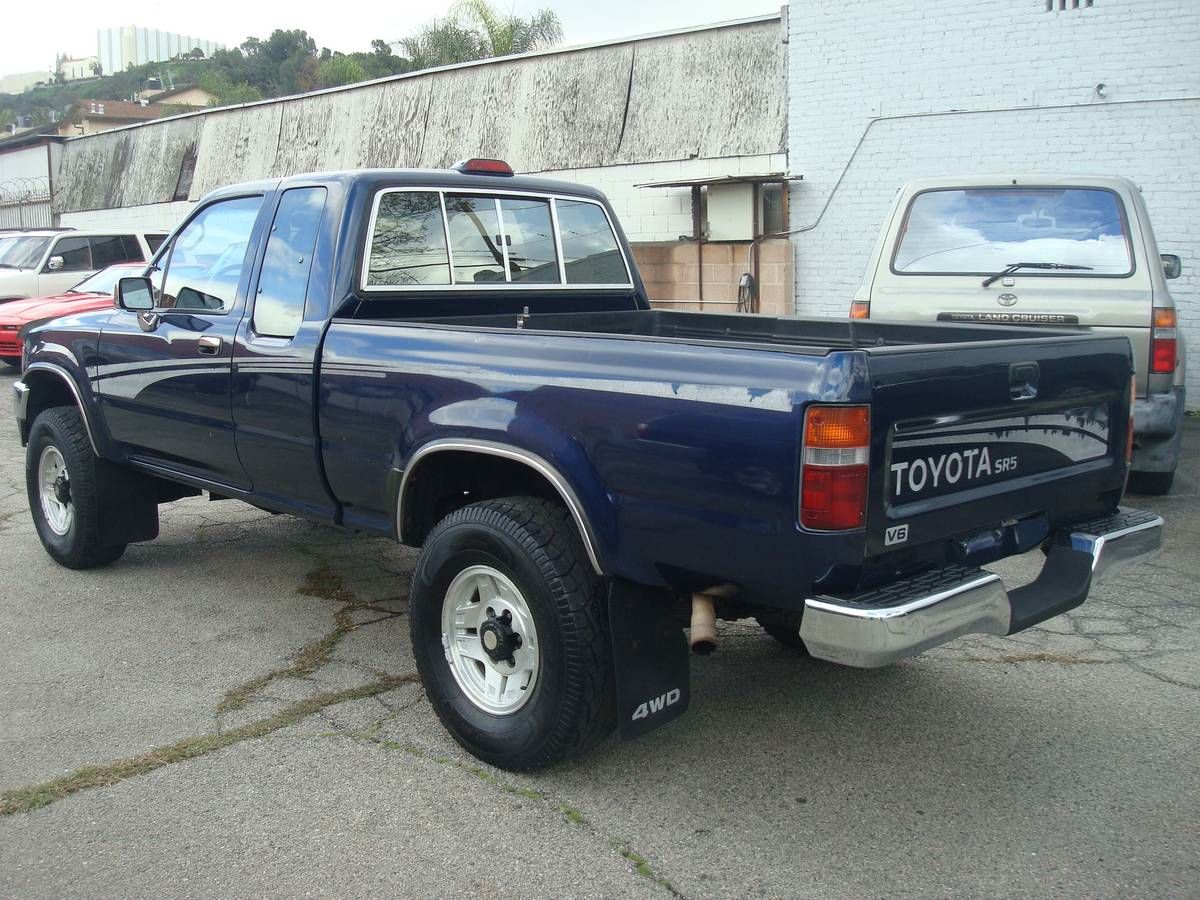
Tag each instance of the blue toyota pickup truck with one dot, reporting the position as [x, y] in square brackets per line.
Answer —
[466, 361]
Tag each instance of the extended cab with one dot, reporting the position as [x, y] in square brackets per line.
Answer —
[466, 361]
[1065, 252]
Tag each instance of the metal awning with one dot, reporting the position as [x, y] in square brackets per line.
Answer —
[722, 179]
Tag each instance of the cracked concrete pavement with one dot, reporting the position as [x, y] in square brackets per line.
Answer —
[231, 710]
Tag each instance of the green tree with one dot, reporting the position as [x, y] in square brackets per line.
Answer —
[507, 34]
[340, 70]
[226, 92]
[475, 29]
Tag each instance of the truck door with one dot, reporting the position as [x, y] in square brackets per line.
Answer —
[163, 376]
[274, 364]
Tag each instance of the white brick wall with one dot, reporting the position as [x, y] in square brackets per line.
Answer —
[646, 214]
[155, 217]
[884, 92]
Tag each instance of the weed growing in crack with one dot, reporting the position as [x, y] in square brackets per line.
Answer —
[36, 796]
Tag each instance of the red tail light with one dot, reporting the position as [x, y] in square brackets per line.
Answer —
[834, 469]
[860, 309]
[483, 167]
[1162, 343]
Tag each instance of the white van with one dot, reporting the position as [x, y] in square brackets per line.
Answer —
[1060, 251]
[46, 262]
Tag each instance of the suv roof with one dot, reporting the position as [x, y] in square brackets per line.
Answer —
[1028, 179]
[78, 232]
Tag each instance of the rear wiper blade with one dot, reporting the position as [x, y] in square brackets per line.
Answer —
[1012, 267]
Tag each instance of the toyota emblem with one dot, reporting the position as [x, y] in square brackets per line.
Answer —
[1006, 299]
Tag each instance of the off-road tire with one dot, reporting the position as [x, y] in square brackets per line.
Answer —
[535, 544]
[83, 545]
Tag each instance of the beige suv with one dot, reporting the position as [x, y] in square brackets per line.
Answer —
[43, 262]
[1064, 252]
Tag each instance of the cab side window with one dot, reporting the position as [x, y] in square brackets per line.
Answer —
[205, 263]
[75, 252]
[283, 284]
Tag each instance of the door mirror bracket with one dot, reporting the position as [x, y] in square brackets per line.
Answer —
[134, 294]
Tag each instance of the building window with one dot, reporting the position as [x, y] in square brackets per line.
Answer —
[1064, 5]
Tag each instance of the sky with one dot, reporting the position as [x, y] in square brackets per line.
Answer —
[31, 38]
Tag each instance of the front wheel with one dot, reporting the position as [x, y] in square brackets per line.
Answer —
[508, 632]
[60, 477]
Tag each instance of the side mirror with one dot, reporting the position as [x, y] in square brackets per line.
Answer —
[54, 263]
[1172, 266]
[134, 294]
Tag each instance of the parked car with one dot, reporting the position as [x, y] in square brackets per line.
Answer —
[46, 262]
[1074, 252]
[467, 361]
[94, 292]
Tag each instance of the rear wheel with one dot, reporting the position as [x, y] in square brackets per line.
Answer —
[508, 632]
[1152, 483]
[60, 477]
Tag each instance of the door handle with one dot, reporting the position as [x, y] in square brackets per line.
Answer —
[209, 345]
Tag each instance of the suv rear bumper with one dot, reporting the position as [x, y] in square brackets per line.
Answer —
[879, 627]
[1158, 415]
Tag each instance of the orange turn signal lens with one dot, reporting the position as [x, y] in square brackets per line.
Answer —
[1164, 317]
[860, 309]
[837, 427]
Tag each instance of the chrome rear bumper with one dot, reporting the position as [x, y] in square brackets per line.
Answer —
[878, 627]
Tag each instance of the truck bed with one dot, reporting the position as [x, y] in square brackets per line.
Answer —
[804, 335]
[698, 451]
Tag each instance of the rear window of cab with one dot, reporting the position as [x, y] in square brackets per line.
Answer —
[422, 239]
[980, 231]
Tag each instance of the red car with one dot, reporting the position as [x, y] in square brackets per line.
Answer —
[94, 292]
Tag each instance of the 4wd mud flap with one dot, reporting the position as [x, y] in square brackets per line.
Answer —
[650, 658]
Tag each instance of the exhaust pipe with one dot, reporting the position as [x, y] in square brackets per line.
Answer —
[704, 618]
[704, 625]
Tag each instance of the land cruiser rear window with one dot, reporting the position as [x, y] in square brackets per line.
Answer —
[458, 239]
[980, 231]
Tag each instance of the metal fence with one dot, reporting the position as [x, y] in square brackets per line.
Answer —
[25, 203]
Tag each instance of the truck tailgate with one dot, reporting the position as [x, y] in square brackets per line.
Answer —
[979, 450]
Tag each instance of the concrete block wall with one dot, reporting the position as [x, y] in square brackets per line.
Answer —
[152, 217]
[884, 92]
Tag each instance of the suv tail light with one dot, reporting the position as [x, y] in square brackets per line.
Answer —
[1162, 342]
[860, 309]
[834, 467]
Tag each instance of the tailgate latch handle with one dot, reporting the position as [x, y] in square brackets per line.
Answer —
[1023, 380]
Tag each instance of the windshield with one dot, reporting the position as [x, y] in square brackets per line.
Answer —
[105, 280]
[22, 252]
[980, 231]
